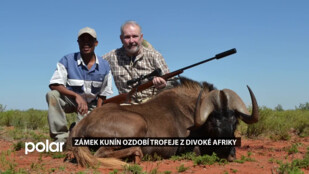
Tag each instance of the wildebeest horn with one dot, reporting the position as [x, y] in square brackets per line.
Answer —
[214, 100]
[235, 103]
[205, 107]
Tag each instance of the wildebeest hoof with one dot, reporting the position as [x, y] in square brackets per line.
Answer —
[69, 157]
[231, 158]
[138, 157]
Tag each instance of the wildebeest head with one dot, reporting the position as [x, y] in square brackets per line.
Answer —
[217, 116]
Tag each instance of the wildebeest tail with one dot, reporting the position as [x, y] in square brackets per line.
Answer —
[86, 159]
[112, 163]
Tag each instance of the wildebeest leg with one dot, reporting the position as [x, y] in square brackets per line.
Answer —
[104, 152]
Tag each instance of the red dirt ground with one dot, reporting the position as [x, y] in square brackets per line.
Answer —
[265, 153]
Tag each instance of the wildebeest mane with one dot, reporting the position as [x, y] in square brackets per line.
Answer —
[192, 85]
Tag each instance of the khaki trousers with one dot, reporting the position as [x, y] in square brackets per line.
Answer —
[58, 106]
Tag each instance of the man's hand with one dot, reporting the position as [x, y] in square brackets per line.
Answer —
[82, 106]
[101, 100]
[159, 82]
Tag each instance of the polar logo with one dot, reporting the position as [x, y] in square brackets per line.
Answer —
[41, 147]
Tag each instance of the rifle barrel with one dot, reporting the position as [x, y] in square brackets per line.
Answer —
[218, 56]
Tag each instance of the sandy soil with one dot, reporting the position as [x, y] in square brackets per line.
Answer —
[265, 153]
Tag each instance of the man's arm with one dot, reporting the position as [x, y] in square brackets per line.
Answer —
[106, 89]
[82, 106]
[159, 62]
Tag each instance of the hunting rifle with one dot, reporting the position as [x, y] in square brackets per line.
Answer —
[125, 97]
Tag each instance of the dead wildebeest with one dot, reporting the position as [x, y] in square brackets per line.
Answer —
[191, 109]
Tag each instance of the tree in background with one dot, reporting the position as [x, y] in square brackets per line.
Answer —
[279, 108]
[304, 106]
[2, 108]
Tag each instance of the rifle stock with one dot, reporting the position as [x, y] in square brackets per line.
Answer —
[150, 84]
[121, 98]
[125, 97]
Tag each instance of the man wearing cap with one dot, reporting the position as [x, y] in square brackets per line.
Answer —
[81, 81]
[133, 60]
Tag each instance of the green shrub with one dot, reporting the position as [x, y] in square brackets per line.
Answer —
[154, 157]
[278, 125]
[134, 169]
[184, 156]
[293, 149]
[207, 159]
[199, 160]
[295, 166]
[182, 168]
[58, 155]
[31, 119]
[288, 168]
[19, 145]
[262, 125]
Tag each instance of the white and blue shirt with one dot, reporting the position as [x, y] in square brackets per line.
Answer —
[73, 73]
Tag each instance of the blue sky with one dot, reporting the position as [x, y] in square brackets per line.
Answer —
[271, 38]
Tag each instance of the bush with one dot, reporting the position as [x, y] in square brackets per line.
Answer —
[304, 106]
[278, 124]
[31, 124]
[31, 119]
